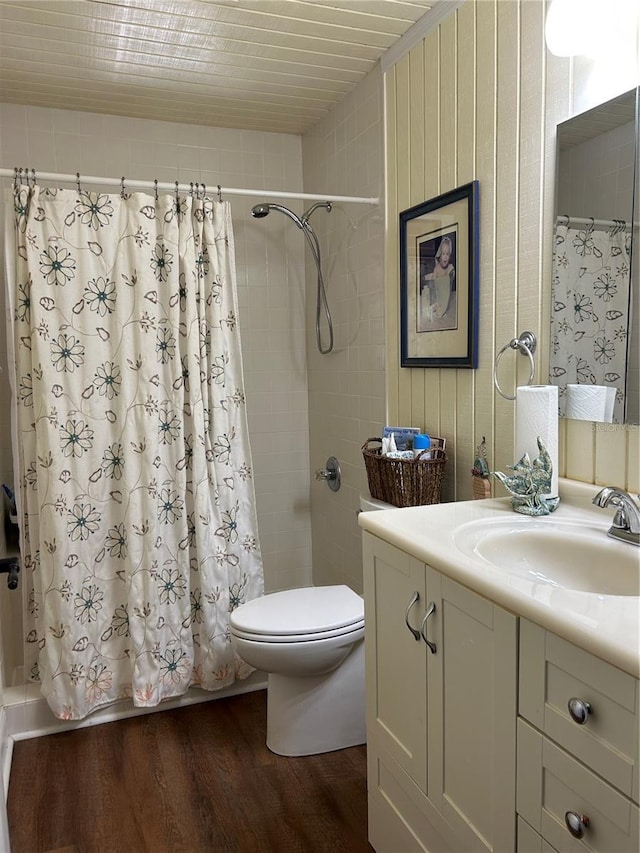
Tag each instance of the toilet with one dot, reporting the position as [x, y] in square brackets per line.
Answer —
[310, 642]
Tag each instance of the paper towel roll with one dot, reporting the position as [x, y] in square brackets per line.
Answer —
[590, 402]
[537, 417]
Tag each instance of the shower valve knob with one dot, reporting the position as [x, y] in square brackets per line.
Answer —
[330, 474]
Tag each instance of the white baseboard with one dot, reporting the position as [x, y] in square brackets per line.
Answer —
[28, 715]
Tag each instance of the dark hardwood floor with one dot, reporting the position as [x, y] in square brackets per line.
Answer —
[194, 780]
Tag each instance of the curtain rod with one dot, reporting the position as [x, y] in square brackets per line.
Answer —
[152, 185]
[600, 224]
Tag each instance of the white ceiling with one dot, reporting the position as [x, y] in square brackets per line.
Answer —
[274, 65]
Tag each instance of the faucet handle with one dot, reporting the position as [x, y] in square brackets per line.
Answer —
[626, 521]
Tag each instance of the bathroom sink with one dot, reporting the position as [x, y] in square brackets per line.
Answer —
[569, 555]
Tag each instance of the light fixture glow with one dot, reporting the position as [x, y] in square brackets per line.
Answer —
[589, 27]
[571, 28]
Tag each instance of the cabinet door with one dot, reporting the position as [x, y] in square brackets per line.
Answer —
[395, 659]
[472, 715]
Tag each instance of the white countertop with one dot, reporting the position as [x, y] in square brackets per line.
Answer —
[606, 625]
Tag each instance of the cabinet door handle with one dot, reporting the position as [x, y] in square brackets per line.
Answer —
[414, 599]
[430, 610]
[579, 710]
[576, 823]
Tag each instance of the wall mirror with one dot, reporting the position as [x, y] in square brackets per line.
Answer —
[595, 320]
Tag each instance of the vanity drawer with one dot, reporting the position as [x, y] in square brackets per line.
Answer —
[552, 672]
[552, 783]
[529, 841]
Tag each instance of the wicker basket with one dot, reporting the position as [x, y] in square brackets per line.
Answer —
[405, 482]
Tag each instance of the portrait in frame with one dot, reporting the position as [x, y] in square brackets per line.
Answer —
[439, 281]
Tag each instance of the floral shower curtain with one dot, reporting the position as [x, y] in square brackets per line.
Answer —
[590, 308]
[135, 490]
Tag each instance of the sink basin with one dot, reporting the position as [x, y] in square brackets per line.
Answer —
[563, 554]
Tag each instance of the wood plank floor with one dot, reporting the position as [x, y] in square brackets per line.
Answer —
[195, 780]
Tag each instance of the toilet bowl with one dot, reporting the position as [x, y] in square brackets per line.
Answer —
[310, 642]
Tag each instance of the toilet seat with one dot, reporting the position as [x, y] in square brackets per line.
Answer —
[300, 615]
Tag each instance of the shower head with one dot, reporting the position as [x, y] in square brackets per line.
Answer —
[261, 210]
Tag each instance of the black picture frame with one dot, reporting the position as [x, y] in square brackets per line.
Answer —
[439, 281]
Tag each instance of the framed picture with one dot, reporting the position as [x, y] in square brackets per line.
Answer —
[439, 281]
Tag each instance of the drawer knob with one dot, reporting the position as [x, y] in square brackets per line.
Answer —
[576, 823]
[579, 710]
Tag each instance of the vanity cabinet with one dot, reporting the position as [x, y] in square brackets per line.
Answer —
[441, 709]
[578, 748]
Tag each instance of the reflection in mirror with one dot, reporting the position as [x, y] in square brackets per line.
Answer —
[594, 322]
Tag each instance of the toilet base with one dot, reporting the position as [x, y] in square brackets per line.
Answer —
[315, 714]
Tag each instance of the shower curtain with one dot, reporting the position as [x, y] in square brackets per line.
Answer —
[590, 307]
[134, 478]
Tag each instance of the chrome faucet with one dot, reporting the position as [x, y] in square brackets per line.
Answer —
[626, 521]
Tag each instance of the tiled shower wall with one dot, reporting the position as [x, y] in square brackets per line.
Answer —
[270, 264]
[343, 155]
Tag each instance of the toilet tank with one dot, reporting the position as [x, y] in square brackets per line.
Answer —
[368, 504]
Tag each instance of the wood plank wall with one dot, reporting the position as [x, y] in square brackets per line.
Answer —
[479, 99]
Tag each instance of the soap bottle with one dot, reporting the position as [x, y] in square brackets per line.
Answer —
[421, 442]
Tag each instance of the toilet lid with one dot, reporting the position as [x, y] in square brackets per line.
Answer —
[307, 611]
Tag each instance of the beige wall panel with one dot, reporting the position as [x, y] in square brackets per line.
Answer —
[431, 115]
[448, 181]
[417, 88]
[466, 172]
[403, 166]
[448, 103]
[486, 152]
[431, 123]
[498, 96]
[506, 243]
[557, 106]
[530, 180]
[610, 463]
[466, 94]
[418, 400]
[448, 422]
[416, 123]
[579, 450]
[391, 248]
[633, 459]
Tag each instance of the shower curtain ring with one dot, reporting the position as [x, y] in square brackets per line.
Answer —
[177, 198]
[204, 190]
[191, 185]
[15, 179]
[219, 193]
[155, 186]
[33, 177]
[78, 182]
[122, 187]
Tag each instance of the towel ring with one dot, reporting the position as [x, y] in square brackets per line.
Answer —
[526, 343]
